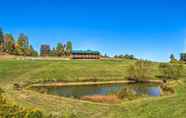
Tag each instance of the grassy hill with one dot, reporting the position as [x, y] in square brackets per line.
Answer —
[21, 72]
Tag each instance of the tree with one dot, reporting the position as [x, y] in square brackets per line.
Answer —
[18, 50]
[115, 56]
[69, 48]
[9, 43]
[22, 45]
[140, 70]
[173, 59]
[171, 71]
[1, 39]
[31, 52]
[23, 41]
[28, 51]
[34, 53]
[60, 51]
[172, 56]
[126, 56]
[183, 57]
[53, 52]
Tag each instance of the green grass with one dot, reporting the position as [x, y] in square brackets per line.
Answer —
[64, 70]
[13, 71]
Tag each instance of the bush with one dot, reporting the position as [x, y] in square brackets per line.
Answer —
[171, 71]
[168, 89]
[8, 110]
[2, 100]
[33, 113]
[1, 91]
[140, 70]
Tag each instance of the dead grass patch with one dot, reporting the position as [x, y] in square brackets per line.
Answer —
[102, 98]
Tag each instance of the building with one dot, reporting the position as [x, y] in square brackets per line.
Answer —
[87, 54]
[44, 50]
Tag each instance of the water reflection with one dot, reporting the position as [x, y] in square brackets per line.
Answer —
[90, 90]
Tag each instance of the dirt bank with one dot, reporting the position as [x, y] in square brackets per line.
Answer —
[60, 84]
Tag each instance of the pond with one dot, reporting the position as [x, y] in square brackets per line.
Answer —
[110, 89]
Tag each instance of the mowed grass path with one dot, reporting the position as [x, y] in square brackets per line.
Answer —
[12, 71]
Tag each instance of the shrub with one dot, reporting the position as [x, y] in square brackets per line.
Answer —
[2, 100]
[33, 113]
[169, 89]
[1, 91]
[8, 110]
[171, 71]
[140, 70]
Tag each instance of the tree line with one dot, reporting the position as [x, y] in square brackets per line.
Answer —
[181, 60]
[143, 69]
[22, 47]
[60, 50]
[126, 56]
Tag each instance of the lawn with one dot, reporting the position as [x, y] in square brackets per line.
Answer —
[21, 72]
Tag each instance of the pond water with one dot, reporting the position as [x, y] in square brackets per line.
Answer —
[112, 89]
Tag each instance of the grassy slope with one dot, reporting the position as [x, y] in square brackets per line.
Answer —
[23, 71]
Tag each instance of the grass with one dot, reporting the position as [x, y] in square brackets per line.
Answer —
[21, 72]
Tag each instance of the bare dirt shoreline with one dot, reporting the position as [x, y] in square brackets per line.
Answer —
[60, 84]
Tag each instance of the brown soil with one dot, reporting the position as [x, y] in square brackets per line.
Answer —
[6, 56]
[102, 98]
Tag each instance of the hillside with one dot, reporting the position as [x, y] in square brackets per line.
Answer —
[21, 72]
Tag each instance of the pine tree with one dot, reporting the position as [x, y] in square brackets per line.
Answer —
[60, 49]
[69, 48]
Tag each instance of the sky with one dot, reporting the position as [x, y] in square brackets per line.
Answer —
[149, 29]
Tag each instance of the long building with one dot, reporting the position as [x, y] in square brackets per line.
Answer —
[85, 54]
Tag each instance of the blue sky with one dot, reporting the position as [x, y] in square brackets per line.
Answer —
[149, 29]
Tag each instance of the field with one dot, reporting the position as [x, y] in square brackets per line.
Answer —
[27, 71]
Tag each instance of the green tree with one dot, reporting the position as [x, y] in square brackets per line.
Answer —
[28, 51]
[172, 56]
[183, 57]
[68, 48]
[128, 56]
[1, 40]
[173, 59]
[52, 52]
[34, 53]
[18, 51]
[140, 70]
[60, 49]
